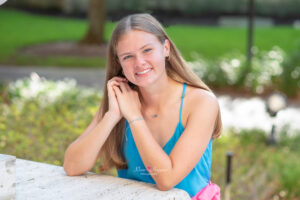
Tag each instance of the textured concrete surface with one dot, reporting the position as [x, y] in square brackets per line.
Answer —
[7, 177]
[43, 181]
[84, 76]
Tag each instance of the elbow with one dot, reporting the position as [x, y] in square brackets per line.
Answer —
[67, 166]
[165, 181]
[164, 185]
[69, 171]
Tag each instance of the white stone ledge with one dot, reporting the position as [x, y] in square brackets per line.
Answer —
[43, 181]
[7, 177]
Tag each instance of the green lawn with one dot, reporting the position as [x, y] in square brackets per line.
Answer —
[213, 42]
[19, 29]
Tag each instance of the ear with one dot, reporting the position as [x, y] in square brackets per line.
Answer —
[167, 48]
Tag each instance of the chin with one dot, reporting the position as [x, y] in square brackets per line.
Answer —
[143, 83]
[146, 81]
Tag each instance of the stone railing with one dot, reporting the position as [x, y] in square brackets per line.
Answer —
[23, 179]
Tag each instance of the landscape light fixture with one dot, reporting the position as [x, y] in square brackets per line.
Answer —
[276, 102]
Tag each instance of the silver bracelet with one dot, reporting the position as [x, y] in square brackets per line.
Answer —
[136, 119]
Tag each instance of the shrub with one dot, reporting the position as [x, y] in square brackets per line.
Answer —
[40, 118]
[290, 78]
[270, 70]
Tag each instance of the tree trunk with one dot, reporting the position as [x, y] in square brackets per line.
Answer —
[96, 18]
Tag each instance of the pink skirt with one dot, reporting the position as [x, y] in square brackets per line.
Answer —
[210, 192]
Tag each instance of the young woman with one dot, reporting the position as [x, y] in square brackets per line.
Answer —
[157, 119]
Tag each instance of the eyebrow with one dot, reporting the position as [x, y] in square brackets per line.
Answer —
[140, 48]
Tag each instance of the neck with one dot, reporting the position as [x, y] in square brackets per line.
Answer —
[155, 96]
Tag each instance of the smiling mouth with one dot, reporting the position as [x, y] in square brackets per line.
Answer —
[143, 72]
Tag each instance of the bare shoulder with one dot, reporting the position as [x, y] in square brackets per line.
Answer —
[200, 99]
[198, 95]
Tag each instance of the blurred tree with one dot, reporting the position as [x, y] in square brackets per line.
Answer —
[96, 18]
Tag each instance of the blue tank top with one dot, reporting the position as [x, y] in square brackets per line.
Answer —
[194, 182]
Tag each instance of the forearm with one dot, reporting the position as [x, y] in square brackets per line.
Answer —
[153, 156]
[82, 154]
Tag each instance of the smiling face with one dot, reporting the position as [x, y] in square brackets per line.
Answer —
[142, 57]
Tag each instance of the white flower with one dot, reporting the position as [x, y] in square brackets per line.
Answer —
[45, 91]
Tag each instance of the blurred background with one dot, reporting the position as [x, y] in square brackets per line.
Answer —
[52, 71]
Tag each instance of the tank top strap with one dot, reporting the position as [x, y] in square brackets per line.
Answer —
[181, 103]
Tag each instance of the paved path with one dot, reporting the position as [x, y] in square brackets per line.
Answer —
[83, 76]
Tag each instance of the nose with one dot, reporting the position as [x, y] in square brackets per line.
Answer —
[139, 61]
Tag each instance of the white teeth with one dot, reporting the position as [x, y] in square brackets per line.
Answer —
[144, 72]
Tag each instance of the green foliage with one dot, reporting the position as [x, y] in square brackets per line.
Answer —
[39, 125]
[290, 78]
[269, 70]
[267, 171]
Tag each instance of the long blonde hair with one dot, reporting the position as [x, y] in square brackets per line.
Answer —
[176, 69]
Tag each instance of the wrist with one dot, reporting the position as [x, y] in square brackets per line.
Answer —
[140, 118]
[112, 117]
[132, 116]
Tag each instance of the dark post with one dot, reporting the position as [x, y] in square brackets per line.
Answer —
[271, 139]
[229, 156]
[247, 69]
[250, 34]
